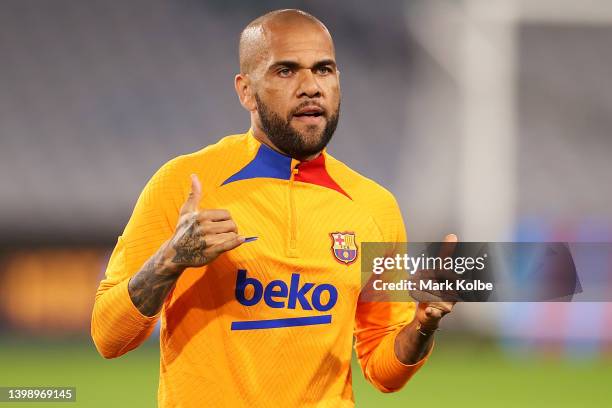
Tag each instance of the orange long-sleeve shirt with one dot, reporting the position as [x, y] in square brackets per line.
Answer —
[273, 320]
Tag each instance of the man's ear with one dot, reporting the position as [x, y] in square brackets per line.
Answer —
[246, 94]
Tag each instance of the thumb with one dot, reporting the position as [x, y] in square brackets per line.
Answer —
[195, 195]
[448, 246]
[450, 238]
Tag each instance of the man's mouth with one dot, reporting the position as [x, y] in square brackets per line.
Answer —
[310, 114]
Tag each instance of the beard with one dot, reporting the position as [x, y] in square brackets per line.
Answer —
[291, 141]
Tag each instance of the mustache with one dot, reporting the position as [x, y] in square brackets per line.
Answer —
[308, 104]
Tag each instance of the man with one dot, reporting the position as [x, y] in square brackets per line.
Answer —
[248, 250]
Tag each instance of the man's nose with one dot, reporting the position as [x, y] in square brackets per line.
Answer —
[309, 86]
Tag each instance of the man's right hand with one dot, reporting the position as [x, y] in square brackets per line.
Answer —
[200, 235]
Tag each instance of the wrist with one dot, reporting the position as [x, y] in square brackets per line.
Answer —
[166, 260]
[411, 346]
[423, 330]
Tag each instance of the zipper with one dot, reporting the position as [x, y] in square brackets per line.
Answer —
[292, 249]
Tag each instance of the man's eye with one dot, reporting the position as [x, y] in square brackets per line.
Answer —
[284, 72]
[324, 70]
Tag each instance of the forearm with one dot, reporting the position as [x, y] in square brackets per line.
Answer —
[412, 345]
[396, 359]
[150, 286]
[117, 326]
[125, 311]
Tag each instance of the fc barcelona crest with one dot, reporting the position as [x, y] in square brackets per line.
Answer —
[344, 247]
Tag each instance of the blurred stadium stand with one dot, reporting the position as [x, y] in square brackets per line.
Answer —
[96, 95]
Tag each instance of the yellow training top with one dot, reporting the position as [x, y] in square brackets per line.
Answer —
[271, 322]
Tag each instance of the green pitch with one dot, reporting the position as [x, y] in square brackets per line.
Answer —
[458, 374]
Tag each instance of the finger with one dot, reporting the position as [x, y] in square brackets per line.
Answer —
[229, 244]
[195, 195]
[214, 215]
[218, 227]
[425, 296]
[216, 239]
[425, 274]
[445, 307]
[451, 238]
[448, 246]
[434, 313]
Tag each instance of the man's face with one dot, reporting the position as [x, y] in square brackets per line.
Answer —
[297, 89]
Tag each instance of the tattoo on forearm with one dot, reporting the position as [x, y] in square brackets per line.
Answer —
[190, 247]
[150, 286]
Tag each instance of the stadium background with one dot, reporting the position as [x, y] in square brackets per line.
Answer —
[491, 119]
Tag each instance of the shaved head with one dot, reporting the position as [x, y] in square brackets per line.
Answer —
[289, 82]
[255, 38]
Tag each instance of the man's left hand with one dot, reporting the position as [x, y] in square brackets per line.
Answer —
[428, 315]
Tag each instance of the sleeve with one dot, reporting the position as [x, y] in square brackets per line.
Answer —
[117, 326]
[377, 323]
